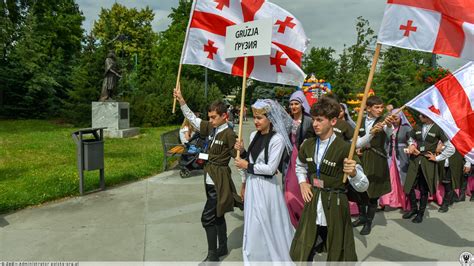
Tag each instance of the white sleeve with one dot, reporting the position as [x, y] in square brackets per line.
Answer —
[359, 182]
[195, 121]
[243, 175]
[182, 133]
[364, 141]
[467, 164]
[447, 151]
[388, 130]
[301, 170]
[275, 151]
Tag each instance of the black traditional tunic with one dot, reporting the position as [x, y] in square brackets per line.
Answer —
[218, 167]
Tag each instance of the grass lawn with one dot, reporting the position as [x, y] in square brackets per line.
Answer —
[38, 161]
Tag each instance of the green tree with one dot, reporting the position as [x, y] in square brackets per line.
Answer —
[343, 83]
[40, 63]
[321, 62]
[86, 78]
[359, 58]
[392, 79]
[128, 31]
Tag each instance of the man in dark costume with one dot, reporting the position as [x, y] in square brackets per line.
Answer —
[373, 135]
[325, 223]
[220, 189]
[424, 168]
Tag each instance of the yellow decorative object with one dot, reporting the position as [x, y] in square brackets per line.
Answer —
[176, 150]
[353, 102]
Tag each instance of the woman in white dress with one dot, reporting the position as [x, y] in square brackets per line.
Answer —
[268, 231]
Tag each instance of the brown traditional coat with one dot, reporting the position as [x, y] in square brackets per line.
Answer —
[340, 240]
[218, 167]
[343, 130]
[431, 170]
[375, 163]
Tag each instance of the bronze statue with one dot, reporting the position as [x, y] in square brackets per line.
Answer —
[111, 77]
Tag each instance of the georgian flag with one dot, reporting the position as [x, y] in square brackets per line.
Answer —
[435, 26]
[449, 103]
[206, 40]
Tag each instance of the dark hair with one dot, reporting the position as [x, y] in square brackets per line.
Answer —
[332, 96]
[327, 107]
[373, 100]
[218, 106]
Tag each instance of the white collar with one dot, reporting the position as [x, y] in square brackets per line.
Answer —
[368, 118]
[221, 127]
[326, 141]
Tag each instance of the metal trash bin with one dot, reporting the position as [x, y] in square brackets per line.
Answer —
[90, 153]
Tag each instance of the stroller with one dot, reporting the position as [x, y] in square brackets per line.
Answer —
[190, 158]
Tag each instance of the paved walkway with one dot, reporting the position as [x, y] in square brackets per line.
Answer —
[158, 219]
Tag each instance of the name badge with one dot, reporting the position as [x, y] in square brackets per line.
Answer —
[422, 148]
[309, 159]
[362, 129]
[318, 183]
[203, 156]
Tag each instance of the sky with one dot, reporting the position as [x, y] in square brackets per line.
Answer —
[327, 23]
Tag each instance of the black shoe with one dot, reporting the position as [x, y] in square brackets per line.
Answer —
[455, 199]
[359, 222]
[410, 214]
[418, 218]
[239, 204]
[211, 256]
[462, 197]
[366, 229]
[444, 208]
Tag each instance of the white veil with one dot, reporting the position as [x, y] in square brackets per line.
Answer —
[279, 118]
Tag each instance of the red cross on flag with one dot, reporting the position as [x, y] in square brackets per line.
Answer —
[449, 103]
[440, 27]
[206, 40]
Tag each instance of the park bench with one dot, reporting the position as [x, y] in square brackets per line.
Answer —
[172, 146]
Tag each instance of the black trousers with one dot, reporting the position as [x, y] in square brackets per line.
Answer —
[319, 242]
[422, 185]
[209, 214]
[448, 187]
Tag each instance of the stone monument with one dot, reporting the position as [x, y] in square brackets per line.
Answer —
[109, 113]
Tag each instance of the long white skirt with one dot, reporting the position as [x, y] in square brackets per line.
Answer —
[268, 232]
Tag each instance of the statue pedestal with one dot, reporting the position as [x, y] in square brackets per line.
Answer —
[115, 116]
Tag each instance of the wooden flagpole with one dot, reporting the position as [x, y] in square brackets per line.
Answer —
[242, 103]
[363, 104]
[178, 76]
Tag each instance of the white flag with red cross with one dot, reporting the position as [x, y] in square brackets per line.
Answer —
[449, 103]
[206, 40]
[441, 27]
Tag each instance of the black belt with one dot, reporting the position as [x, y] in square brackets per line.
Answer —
[217, 164]
[333, 190]
[337, 191]
[376, 152]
